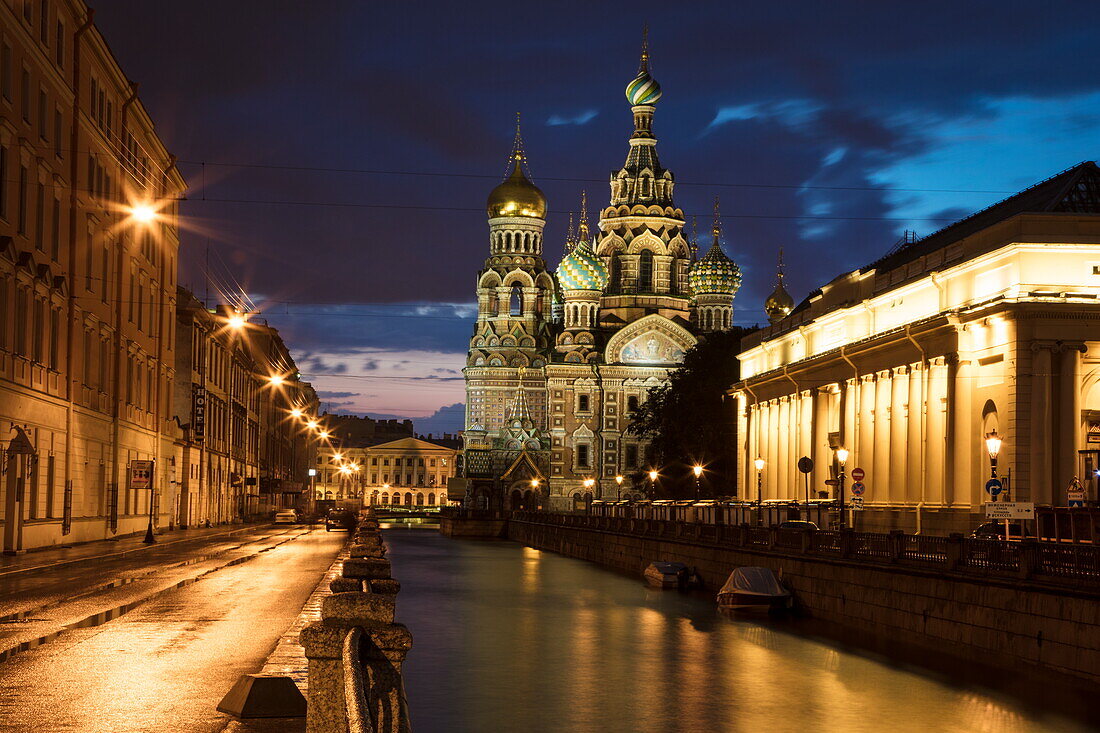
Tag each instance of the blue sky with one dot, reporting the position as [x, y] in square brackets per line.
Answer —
[826, 129]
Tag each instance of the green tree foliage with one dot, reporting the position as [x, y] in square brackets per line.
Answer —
[691, 420]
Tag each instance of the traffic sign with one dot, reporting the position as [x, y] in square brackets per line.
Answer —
[857, 502]
[831, 482]
[858, 474]
[858, 489]
[1009, 510]
[805, 464]
[993, 486]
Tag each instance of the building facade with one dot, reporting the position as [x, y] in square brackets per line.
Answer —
[987, 326]
[407, 472]
[89, 243]
[242, 453]
[559, 358]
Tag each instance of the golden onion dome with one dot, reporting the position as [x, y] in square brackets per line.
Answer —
[779, 303]
[517, 196]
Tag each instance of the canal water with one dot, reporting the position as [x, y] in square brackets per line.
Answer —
[507, 638]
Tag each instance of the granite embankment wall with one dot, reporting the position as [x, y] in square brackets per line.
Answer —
[1014, 624]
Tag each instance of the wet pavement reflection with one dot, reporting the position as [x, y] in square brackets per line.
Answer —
[507, 638]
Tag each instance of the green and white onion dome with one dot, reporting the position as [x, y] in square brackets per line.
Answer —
[643, 89]
[715, 274]
[581, 269]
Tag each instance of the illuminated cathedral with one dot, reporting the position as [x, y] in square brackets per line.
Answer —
[559, 358]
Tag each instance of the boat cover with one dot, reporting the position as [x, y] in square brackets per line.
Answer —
[667, 568]
[754, 580]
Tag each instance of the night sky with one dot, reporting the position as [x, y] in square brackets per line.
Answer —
[339, 153]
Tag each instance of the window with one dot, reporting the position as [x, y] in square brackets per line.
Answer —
[55, 231]
[55, 338]
[516, 300]
[632, 456]
[615, 276]
[645, 272]
[22, 199]
[374, 461]
[5, 71]
[582, 403]
[39, 216]
[582, 455]
[59, 44]
[3, 182]
[57, 133]
[25, 101]
[37, 333]
[632, 403]
[43, 118]
[44, 21]
[28, 14]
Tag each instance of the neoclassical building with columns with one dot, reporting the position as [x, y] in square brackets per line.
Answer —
[990, 324]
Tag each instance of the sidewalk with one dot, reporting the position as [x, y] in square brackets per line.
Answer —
[44, 559]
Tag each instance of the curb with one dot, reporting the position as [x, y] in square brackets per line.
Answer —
[120, 553]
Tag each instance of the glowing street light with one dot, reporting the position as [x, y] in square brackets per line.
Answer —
[312, 424]
[236, 321]
[698, 471]
[323, 435]
[534, 483]
[841, 458]
[143, 213]
[276, 380]
[653, 483]
[295, 412]
[337, 456]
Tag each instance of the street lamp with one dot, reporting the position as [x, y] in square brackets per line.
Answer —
[276, 380]
[841, 458]
[698, 471]
[236, 321]
[652, 484]
[759, 463]
[993, 446]
[619, 482]
[143, 213]
[295, 412]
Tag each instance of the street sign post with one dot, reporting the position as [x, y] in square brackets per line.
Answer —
[1009, 510]
[858, 489]
[141, 477]
[857, 503]
[806, 465]
[858, 474]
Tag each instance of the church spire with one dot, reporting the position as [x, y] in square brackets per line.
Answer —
[570, 235]
[517, 196]
[583, 236]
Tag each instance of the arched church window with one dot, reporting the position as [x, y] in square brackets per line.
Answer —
[645, 272]
[516, 300]
[615, 272]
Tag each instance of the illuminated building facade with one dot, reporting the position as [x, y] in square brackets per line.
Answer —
[407, 472]
[990, 324]
[87, 283]
[559, 359]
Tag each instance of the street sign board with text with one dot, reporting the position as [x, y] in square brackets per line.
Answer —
[1009, 510]
[141, 474]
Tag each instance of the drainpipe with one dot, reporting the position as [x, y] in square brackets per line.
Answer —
[923, 422]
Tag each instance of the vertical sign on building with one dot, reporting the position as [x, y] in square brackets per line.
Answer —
[198, 412]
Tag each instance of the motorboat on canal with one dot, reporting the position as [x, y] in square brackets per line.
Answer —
[752, 588]
[666, 574]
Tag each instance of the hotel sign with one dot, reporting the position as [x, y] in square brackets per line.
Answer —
[198, 412]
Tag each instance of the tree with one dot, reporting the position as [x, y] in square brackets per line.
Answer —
[691, 419]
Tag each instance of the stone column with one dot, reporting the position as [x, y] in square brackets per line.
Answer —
[899, 490]
[819, 442]
[783, 464]
[863, 457]
[935, 463]
[1041, 473]
[879, 470]
[1069, 418]
[962, 491]
[915, 435]
[744, 425]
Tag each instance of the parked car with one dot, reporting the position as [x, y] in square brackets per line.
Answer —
[995, 530]
[286, 516]
[340, 519]
[796, 524]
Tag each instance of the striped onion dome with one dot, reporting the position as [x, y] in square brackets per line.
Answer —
[715, 274]
[581, 269]
[643, 89]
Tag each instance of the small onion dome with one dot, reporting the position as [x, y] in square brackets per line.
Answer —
[643, 89]
[581, 269]
[779, 303]
[715, 274]
[517, 196]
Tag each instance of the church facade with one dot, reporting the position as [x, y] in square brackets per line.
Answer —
[559, 358]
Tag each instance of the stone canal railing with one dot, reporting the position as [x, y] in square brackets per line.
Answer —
[1073, 564]
[356, 650]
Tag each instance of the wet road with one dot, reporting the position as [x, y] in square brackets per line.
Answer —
[165, 664]
[507, 638]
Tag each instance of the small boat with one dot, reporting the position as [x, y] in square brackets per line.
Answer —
[666, 574]
[754, 589]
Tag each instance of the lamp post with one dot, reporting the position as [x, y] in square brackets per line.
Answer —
[619, 483]
[652, 484]
[993, 447]
[759, 463]
[841, 458]
[698, 471]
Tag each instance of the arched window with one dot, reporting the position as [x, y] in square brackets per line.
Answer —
[516, 301]
[408, 499]
[431, 499]
[614, 273]
[645, 272]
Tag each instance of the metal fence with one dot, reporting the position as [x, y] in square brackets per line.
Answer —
[1046, 561]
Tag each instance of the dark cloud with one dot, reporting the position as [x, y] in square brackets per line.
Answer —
[325, 395]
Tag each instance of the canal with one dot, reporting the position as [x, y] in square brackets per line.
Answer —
[507, 638]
